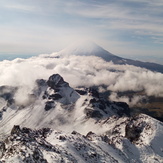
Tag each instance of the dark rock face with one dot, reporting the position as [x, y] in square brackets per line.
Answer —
[93, 113]
[15, 130]
[81, 92]
[49, 105]
[36, 157]
[121, 108]
[93, 92]
[98, 106]
[92, 101]
[90, 135]
[133, 133]
[25, 138]
[1, 114]
[56, 81]
[34, 146]
[2, 148]
[96, 113]
[134, 128]
[55, 96]
[122, 104]
[74, 133]
[24, 131]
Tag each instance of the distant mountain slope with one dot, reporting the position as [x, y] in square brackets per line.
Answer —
[92, 49]
[89, 49]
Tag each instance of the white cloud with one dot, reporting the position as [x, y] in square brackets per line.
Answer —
[80, 70]
[123, 15]
[21, 7]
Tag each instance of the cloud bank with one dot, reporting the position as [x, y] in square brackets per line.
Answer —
[79, 71]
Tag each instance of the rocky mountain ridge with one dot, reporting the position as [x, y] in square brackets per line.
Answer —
[85, 127]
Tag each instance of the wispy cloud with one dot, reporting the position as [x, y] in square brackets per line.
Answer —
[143, 16]
[133, 25]
[21, 7]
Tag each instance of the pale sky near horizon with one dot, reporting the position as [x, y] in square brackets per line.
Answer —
[123, 27]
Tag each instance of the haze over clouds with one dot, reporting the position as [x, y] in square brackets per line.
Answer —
[123, 27]
[80, 71]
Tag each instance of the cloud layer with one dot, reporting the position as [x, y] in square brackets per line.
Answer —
[80, 71]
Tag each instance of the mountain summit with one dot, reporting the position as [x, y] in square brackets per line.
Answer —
[89, 48]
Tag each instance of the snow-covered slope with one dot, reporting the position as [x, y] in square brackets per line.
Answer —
[88, 48]
[46, 145]
[26, 145]
[63, 124]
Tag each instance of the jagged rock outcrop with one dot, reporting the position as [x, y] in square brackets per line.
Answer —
[96, 106]
[59, 90]
[56, 81]
[137, 127]
[47, 146]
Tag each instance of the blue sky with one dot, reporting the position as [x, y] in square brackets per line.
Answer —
[130, 28]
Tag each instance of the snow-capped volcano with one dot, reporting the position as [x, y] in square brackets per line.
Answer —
[84, 48]
[88, 48]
